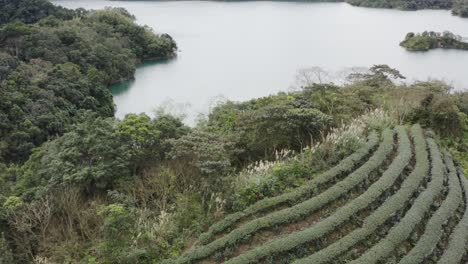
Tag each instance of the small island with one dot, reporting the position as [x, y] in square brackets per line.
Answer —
[460, 8]
[433, 40]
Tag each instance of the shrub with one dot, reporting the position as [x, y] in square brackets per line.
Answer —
[270, 178]
[91, 157]
[202, 161]
[6, 256]
[12, 203]
[117, 229]
[189, 214]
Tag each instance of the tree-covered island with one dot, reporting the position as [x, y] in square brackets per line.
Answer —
[460, 8]
[433, 40]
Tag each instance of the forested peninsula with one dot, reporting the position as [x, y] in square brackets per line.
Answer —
[433, 40]
[57, 63]
[320, 172]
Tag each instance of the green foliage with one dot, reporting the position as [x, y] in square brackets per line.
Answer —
[403, 4]
[117, 222]
[98, 153]
[206, 161]
[379, 76]
[141, 134]
[280, 179]
[91, 156]
[270, 178]
[261, 127]
[7, 64]
[421, 42]
[31, 11]
[117, 228]
[6, 256]
[170, 127]
[142, 40]
[441, 113]
[7, 176]
[460, 8]
[432, 40]
[12, 203]
[190, 213]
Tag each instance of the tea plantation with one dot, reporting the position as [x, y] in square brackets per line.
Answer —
[398, 199]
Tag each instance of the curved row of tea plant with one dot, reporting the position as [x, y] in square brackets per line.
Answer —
[414, 216]
[459, 238]
[298, 211]
[346, 165]
[434, 228]
[408, 191]
[385, 211]
[343, 214]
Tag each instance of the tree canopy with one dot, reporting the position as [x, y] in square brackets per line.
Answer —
[432, 40]
[52, 67]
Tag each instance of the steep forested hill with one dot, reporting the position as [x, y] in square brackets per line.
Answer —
[57, 62]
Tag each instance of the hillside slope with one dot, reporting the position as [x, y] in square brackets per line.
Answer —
[400, 199]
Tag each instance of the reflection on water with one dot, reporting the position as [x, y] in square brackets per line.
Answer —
[122, 88]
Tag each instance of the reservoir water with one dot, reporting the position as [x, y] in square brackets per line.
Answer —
[243, 50]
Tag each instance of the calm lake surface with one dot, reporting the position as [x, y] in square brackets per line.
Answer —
[243, 50]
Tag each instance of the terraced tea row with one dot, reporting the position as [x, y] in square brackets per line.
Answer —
[293, 197]
[404, 228]
[457, 247]
[404, 187]
[298, 211]
[383, 213]
[434, 228]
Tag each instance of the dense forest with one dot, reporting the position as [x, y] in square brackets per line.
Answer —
[433, 40]
[78, 185]
[57, 63]
[458, 7]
